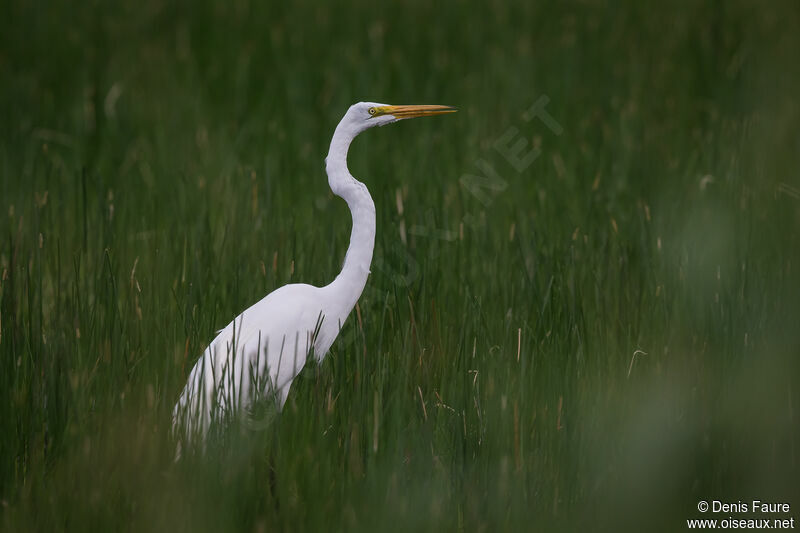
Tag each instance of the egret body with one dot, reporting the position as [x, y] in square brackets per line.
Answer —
[262, 350]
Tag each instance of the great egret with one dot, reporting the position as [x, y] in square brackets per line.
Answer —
[263, 349]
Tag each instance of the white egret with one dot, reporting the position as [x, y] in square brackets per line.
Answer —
[263, 349]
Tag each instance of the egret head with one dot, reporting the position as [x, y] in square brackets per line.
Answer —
[366, 115]
[360, 117]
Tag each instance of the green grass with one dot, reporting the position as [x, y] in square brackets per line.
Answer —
[161, 169]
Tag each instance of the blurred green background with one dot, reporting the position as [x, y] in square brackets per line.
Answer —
[598, 340]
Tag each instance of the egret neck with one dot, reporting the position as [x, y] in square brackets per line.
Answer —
[350, 282]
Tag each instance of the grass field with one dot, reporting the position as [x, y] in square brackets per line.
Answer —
[596, 335]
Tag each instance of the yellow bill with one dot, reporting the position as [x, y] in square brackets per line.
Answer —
[412, 111]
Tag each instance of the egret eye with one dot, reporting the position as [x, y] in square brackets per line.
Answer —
[372, 111]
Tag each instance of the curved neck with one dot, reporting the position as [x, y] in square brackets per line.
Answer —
[351, 280]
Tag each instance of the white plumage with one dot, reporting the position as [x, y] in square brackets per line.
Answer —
[262, 350]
